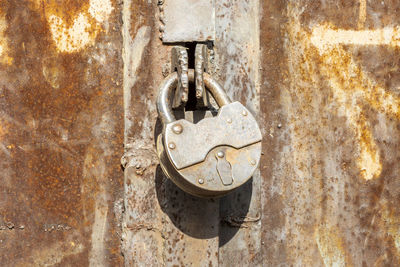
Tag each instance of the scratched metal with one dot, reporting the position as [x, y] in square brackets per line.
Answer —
[330, 100]
[237, 61]
[60, 133]
[162, 225]
[328, 80]
[187, 20]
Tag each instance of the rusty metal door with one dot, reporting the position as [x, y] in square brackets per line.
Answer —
[78, 88]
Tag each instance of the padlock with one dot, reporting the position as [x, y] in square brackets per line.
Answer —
[214, 156]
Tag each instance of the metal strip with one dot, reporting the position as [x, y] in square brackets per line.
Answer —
[187, 20]
[162, 225]
[237, 56]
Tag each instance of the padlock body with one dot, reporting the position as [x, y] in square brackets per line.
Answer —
[214, 156]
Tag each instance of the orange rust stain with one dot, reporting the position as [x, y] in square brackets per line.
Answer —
[312, 62]
[76, 27]
[355, 90]
[232, 155]
[46, 134]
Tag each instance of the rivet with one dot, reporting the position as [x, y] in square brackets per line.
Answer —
[229, 120]
[252, 162]
[177, 128]
[171, 145]
[220, 154]
[201, 181]
[244, 113]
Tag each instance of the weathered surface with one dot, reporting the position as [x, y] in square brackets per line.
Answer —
[237, 59]
[331, 106]
[162, 225]
[60, 132]
[187, 20]
[326, 75]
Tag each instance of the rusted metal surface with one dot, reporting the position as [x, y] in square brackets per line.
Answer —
[60, 133]
[331, 106]
[325, 73]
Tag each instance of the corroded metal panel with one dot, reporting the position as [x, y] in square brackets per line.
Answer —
[60, 136]
[331, 107]
[327, 80]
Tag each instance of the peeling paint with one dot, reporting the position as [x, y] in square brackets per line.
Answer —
[325, 37]
[351, 85]
[331, 101]
[74, 38]
[83, 31]
[99, 230]
[362, 14]
[133, 52]
[100, 10]
[60, 104]
[4, 57]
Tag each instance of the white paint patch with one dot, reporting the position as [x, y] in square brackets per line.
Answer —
[351, 84]
[98, 234]
[100, 10]
[4, 58]
[368, 160]
[82, 33]
[132, 56]
[324, 37]
[71, 39]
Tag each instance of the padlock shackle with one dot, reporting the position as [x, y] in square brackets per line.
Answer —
[169, 85]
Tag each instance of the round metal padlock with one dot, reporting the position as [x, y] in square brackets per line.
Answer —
[214, 156]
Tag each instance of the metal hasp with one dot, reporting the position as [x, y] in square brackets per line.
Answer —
[179, 64]
[214, 156]
[201, 66]
[187, 20]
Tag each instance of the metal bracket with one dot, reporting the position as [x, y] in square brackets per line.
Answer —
[179, 63]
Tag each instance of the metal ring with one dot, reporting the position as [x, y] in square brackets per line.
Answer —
[169, 85]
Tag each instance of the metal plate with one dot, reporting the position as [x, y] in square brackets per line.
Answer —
[234, 126]
[187, 20]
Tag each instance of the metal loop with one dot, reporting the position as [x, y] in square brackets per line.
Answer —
[170, 83]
